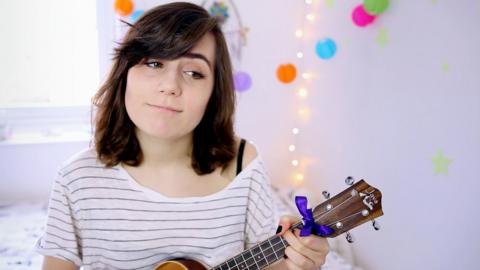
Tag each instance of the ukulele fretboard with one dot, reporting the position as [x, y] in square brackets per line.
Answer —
[257, 257]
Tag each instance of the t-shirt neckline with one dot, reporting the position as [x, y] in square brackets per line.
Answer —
[155, 195]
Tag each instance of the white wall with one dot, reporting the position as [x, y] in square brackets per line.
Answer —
[377, 113]
[381, 114]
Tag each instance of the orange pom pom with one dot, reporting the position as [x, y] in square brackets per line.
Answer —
[286, 73]
[123, 7]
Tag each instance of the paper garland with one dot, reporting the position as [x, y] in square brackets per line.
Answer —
[286, 73]
[242, 81]
[123, 7]
[326, 48]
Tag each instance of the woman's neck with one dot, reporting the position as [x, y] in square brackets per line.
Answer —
[158, 153]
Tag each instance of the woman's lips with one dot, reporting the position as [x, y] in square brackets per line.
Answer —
[165, 108]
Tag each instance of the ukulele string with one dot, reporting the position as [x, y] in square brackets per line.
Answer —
[296, 225]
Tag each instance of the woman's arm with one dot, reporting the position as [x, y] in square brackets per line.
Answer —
[52, 263]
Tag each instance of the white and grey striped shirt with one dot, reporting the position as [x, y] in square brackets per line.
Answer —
[101, 218]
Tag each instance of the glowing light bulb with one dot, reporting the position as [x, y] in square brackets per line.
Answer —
[295, 162]
[303, 111]
[299, 33]
[300, 54]
[291, 148]
[298, 179]
[310, 17]
[303, 92]
[306, 75]
[308, 2]
[295, 131]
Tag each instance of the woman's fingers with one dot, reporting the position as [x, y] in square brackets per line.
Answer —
[306, 252]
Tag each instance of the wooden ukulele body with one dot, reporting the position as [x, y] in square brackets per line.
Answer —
[180, 264]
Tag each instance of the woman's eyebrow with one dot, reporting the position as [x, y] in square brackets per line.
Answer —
[197, 56]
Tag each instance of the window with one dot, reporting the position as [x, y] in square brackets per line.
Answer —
[49, 53]
[50, 67]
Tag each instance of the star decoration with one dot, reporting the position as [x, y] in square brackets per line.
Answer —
[445, 67]
[440, 163]
[329, 3]
[382, 37]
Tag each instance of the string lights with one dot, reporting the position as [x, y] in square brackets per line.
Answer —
[303, 111]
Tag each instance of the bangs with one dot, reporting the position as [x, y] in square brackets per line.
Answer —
[165, 36]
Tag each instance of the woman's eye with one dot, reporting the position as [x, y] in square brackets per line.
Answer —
[195, 75]
[154, 64]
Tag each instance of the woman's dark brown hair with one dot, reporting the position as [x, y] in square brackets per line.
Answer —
[167, 32]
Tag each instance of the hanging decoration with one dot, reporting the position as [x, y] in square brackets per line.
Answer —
[135, 15]
[242, 81]
[123, 7]
[219, 10]
[236, 36]
[365, 14]
[360, 17]
[286, 73]
[375, 7]
[326, 48]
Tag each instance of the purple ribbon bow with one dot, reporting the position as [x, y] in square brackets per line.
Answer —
[309, 225]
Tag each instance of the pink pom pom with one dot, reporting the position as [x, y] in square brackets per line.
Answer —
[360, 17]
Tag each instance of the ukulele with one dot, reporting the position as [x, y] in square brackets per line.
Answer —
[352, 207]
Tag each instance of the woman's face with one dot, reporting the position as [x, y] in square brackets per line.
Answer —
[167, 99]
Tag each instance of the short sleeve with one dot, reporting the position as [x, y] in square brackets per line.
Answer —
[60, 238]
[262, 214]
[281, 201]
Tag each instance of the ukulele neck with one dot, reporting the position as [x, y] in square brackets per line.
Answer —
[259, 256]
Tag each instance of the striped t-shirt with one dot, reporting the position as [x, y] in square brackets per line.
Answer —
[101, 218]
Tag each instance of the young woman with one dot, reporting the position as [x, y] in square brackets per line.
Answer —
[167, 177]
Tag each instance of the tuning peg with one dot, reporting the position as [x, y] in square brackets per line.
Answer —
[376, 225]
[349, 180]
[349, 237]
[326, 194]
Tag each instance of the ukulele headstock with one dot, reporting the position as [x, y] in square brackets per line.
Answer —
[352, 207]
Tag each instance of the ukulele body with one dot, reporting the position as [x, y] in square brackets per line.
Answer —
[180, 264]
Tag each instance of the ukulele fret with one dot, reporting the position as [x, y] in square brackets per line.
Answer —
[232, 264]
[279, 246]
[259, 257]
[240, 263]
[274, 252]
[249, 259]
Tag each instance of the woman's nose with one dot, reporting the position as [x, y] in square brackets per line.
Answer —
[169, 85]
[171, 91]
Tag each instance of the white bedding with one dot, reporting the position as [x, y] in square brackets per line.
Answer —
[22, 223]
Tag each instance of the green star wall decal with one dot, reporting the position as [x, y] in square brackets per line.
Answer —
[329, 3]
[440, 163]
[445, 67]
[382, 37]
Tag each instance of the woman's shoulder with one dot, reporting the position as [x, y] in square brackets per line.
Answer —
[250, 152]
[86, 158]
[252, 159]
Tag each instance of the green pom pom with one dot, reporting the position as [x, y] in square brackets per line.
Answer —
[375, 7]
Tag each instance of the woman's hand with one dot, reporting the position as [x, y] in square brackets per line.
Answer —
[307, 252]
